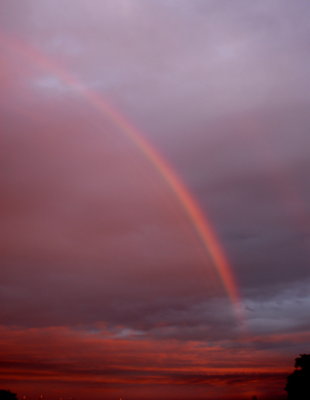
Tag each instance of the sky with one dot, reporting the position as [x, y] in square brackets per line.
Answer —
[154, 198]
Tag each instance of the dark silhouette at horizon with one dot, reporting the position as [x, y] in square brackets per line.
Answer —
[298, 383]
[7, 395]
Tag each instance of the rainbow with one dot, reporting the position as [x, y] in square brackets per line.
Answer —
[198, 219]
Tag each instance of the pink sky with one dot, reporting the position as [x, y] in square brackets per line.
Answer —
[107, 290]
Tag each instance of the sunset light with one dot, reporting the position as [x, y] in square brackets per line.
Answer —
[154, 199]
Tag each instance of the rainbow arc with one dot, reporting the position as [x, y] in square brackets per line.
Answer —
[198, 219]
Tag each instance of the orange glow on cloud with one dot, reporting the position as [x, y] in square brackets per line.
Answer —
[65, 356]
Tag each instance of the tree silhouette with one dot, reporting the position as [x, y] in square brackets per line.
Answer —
[298, 383]
[7, 395]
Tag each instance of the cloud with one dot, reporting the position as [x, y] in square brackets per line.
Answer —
[96, 251]
[56, 355]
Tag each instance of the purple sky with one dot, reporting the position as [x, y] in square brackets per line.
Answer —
[93, 240]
